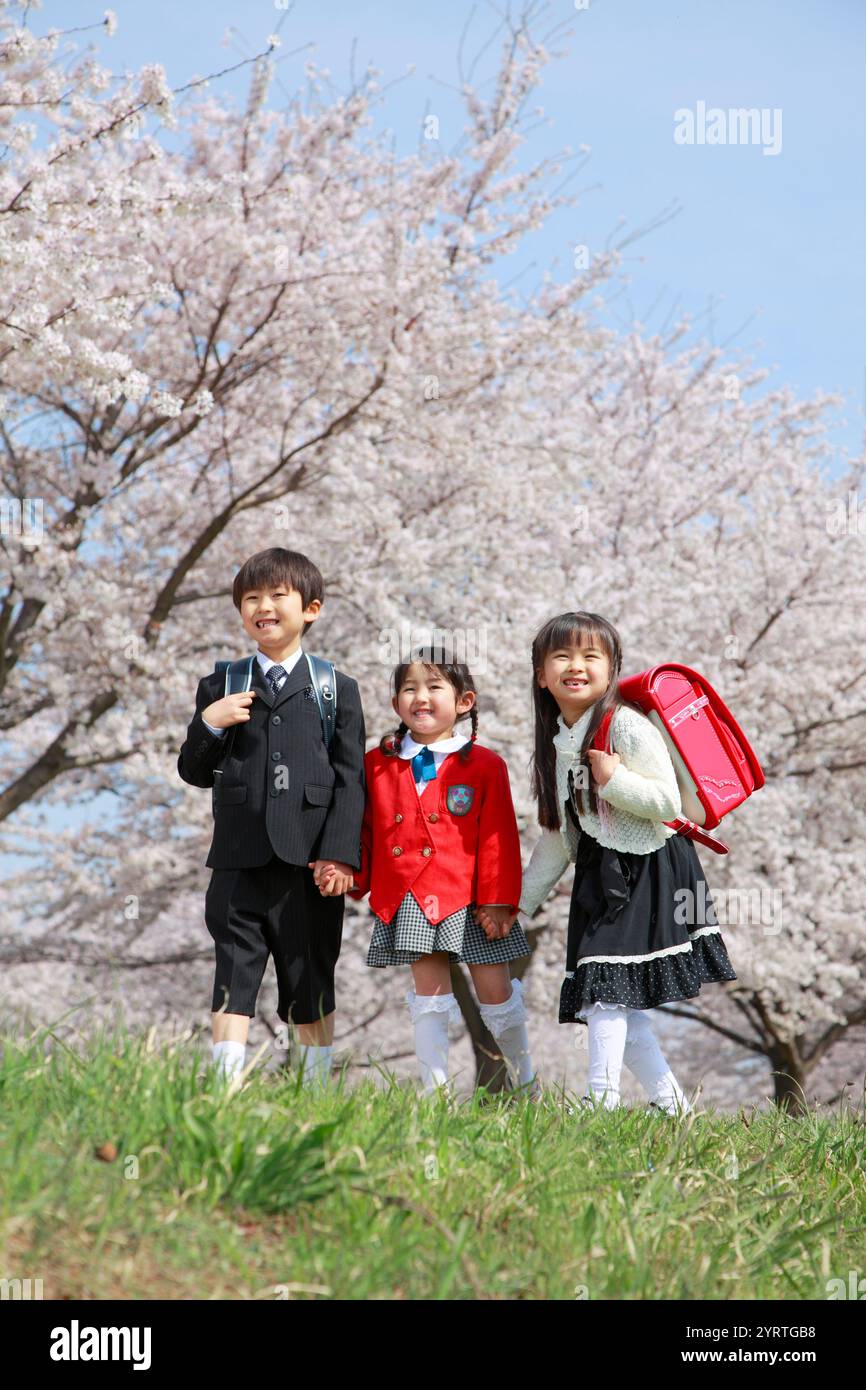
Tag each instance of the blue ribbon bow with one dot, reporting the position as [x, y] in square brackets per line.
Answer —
[424, 766]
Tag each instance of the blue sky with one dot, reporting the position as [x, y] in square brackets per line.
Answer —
[765, 251]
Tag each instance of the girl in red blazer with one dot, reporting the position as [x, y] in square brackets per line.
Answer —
[440, 858]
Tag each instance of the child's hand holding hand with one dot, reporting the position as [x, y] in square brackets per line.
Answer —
[231, 709]
[603, 765]
[496, 921]
[332, 877]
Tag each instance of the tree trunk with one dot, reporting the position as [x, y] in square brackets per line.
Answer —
[789, 1077]
[490, 1067]
[489, 1064]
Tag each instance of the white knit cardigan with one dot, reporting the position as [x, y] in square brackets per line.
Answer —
[641, 795]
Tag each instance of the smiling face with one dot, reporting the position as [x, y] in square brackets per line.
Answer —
[428, 704]
[274, 616]
[576, 676]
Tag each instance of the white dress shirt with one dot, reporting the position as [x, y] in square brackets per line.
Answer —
[440, 750]
[265, 662]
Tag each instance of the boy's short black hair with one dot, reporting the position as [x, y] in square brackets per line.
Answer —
[269, 568]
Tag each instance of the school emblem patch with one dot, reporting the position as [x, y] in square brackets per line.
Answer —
[459, 798]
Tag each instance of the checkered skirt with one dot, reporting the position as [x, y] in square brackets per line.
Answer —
[409, 936]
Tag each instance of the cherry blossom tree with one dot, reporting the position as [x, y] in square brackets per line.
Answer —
[281, 333]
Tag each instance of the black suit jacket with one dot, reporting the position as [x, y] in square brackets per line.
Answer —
[278, 790]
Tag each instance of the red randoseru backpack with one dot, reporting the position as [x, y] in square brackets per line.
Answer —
[716, 767]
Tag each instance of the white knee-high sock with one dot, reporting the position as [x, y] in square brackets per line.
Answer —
[229, 1057]
[430, 1014]
[607, 1034]
[315, 1065]
[431, 1049]
[646, 1061]
[507, 1023]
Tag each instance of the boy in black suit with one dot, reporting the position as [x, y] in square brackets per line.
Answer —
[282, 808]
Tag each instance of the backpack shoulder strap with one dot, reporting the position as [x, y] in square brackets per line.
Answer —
[238, 679]
[602, 733]
[238, 674]
[323, 678]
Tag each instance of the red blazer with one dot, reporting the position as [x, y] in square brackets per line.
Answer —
[455, 844]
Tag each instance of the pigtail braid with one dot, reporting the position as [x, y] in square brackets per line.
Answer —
[390, 744]
[467, 747]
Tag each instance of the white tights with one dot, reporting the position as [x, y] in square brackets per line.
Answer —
[617, 1035]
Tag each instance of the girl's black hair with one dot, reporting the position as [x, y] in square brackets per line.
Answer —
[581, 629]
[437, 659]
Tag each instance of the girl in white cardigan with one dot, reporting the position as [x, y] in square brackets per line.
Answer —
[642, 928]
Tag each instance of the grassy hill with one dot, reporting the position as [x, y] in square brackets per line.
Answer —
[128, 1171]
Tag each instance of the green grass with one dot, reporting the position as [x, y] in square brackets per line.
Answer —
[273, 1192]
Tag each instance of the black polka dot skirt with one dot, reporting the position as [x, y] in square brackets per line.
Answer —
[642, 929]
[409, 936]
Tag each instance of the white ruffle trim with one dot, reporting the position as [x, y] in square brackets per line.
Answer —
[599, 1004]
[500, 1017]
[433, 1004]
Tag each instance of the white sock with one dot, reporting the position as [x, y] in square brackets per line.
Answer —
[430, 1013]
[507, 1023]
[229, 1057]
[315, 1065]
[607, 1034]
[645, 1060]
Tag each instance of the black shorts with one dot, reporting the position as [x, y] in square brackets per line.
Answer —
[274, 910]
